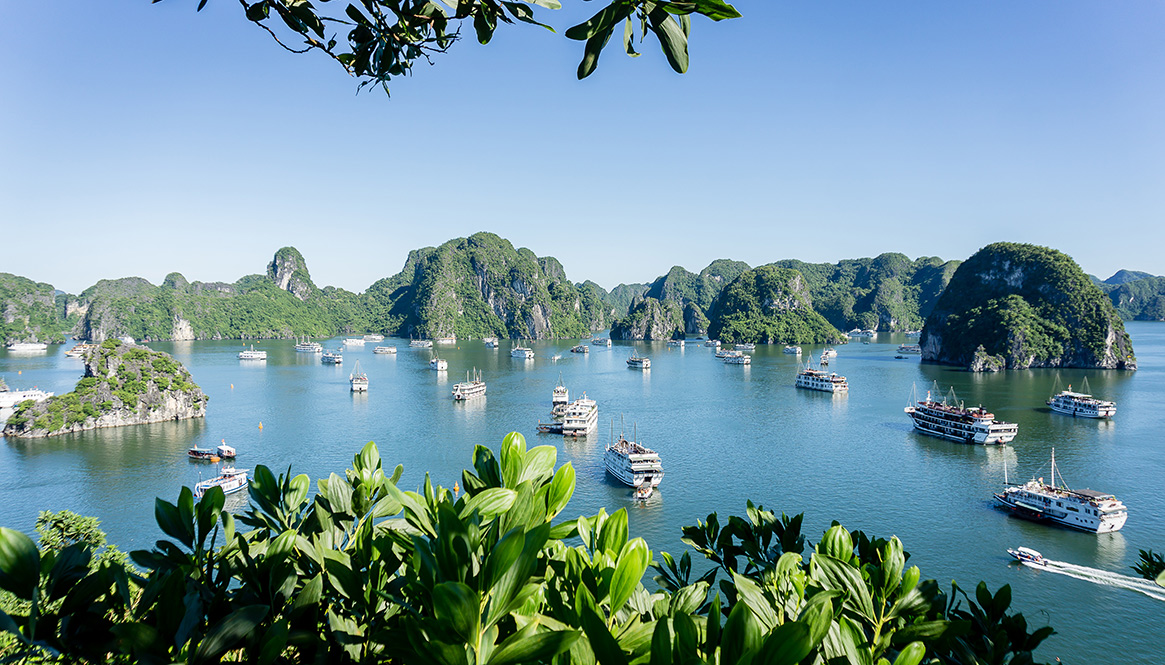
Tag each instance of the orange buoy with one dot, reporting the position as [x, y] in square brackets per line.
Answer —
[260, 424]
[232, 386]
[456, 490]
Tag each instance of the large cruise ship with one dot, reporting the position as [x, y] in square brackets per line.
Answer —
[581, 417]
[10, 398]
[633, 464]
[819, 379]
[473, 387]
[1086, 510]
[957, 423]
[1081, 405]
[28, 346]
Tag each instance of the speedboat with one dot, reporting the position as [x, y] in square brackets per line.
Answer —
[1028, 556]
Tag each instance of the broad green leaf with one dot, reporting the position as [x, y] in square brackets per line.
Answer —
[742, 634]
[602, 22]
[613, 535]
[661, 643]
[629, 37]
[458, 608]
[70, 566]
[1161, 579]
[502, 557]
[818, 614]
[274, 642]
[169, 519]
[786, 645]
[512, 456]
[606, 649]
[911, 655]
[226, 633]
[835, 574]
[7, 625]
[532, 647]
[717, 10]
[837, 543]
[538, 464]
[206, 513]
[750, 593]
[629, 570]
[489, 503]
[671, 39]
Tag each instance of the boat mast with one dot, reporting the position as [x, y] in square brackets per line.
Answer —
[1053, 467]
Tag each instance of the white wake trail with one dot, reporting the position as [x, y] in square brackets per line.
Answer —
[1104, 577]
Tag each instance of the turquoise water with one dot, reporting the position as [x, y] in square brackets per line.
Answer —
[725, 433]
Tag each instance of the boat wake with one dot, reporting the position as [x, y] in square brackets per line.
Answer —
[1104, 577]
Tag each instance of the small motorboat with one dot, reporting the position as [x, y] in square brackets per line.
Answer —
[550, 428]
[643, 491]
[231, 480]
[205, 454]
[224, 451]
[1028, 556]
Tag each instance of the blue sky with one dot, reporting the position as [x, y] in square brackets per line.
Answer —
[136, 139]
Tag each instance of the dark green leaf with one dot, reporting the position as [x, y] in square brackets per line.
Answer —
[19, 563]
[226, 633]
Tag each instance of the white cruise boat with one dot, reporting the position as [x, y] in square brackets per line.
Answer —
[374, 338]
[792, 349]
[633, 464]
[79, 350]
[580, 348]
[581, 417]
[473, 387]
[559, 399]
[957, 423]
[678, 343]
[232, 480]
[601, 341]
[637, 361]
[353, 341]
[25, 347]
[909, 348]
[307, 346]
[491, 342]
[10, 398]
[745, 346]
[358, 379]
[446, 340]
[724, 353]
[1081, 405]
[858, 332]
[913, 333]
[819, 379]
[252, 354]
[384, 350]
[525, 353]
[1086, 510]
[829, 352]
[332, 357]
[421, 343]
[738, 358]
[438, 363]
[712, 343]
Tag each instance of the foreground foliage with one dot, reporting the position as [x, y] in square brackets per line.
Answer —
[1151, 566]
[366, 572]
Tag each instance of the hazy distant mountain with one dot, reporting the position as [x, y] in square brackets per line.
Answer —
[1126, 276]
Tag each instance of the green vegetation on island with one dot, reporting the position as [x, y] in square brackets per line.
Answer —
[33, 312]
[621, 297]
[481, 286]
[888, 292]
[363, 571]
[650, 319]
[770, 305]
[123, 385]
[1019, 306]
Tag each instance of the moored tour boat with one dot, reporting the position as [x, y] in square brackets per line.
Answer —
[1081, 405]
[421, 343]
[1085, 510]
[202, 454]
[828, 352]
[10, 398]
[80, 350]
[374, 338]
[438, 364]
[632, 463]
[792, 349]
[738, 358]
[490, 342]
[955, 422]
[473, 387]
[353, 341]
[306, 346]
[252, 354]
[601, 341]
[231, 480]
[637, 361]
[522, 352]
[745, 346]
[909, 348]
[581, 417]
[678, 343]
[580, 348]
[713, 343]
[384, 350]
[818, 379]
[28, 346]
[358, 380]
[332, 357]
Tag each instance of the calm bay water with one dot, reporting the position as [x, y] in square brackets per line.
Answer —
[725, 433]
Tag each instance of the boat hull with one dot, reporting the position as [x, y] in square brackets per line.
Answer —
[1063, 518]
[1083, 413]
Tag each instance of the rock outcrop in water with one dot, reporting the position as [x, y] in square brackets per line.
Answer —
[480, 286]
[769, 305]
[650, 319]
[1020, 306]
[123, 385]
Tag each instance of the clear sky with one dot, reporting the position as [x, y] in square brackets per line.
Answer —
[139, 139]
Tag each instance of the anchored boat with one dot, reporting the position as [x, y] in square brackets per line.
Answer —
[1085, 510]
[950, 419]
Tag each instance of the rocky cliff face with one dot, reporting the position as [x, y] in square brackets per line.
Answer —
[888, 292]
[283, 303]
[650, 319]
[1021, 306]
[32, 311]
[480, 286]
[769, 305]
[123, 385]
[288, 270]
[695, 321]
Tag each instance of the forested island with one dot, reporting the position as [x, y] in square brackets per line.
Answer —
[484, 286]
